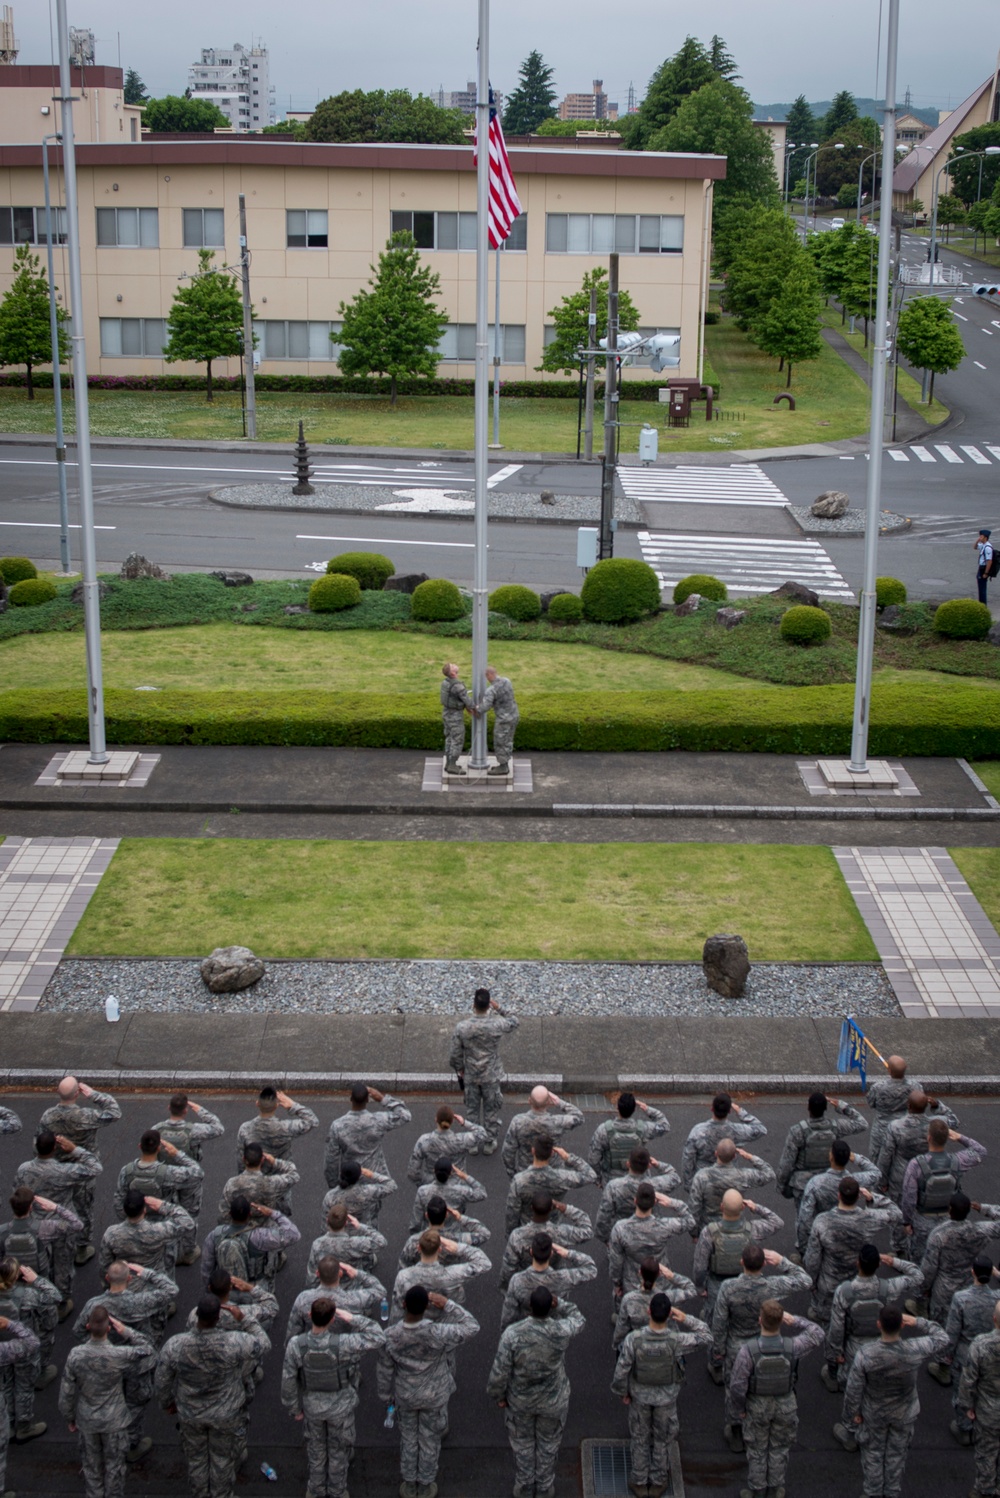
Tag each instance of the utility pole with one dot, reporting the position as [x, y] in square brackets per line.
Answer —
[56, 368]
[248, 368]
[606, 539]
[588, 419]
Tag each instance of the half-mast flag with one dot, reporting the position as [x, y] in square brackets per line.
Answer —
[504, 205]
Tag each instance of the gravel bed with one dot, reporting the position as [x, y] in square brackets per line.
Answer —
[851, 524]
[174, 986]
[518, 504]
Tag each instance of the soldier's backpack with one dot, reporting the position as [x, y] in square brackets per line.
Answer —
[235, 1252]
[814, 1152]
[321, 1370]
[657, 1363]
[147, 1179]
[178, 1133]
[937, 1184]
[623, 1137]
[862, 1318]
[993, 570]
[774, 1367]
[22, 1243]
[729, 1239]
[989, 1372]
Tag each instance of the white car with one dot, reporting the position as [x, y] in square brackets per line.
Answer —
[836, 223]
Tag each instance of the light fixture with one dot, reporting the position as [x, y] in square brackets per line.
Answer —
[46, 109]
[118, 297]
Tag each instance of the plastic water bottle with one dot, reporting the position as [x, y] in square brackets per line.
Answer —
[112, 1012]
[390, 1417]
[383, 1311]
[269, 1472]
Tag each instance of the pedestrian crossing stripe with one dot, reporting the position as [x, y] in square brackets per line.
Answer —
[737, 484]
[924, 455]
[746, 564]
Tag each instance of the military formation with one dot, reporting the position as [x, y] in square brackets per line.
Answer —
[893, 1253]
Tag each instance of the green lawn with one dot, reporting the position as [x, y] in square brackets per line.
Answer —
[989, 772]
[909, 388]
[613, 901]
[981, 867]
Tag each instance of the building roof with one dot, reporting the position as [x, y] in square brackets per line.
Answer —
[915, 162]
[42, 75]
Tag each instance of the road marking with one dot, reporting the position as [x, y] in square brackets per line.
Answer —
[993, 451]
[976, 455]
[322, 472]
[924, 455]
[948, 453]
[52, 525]
[899, 457]
[738, 484]
[959, 314]
[503, 473]
[986, 331]
[847, 457]
[967, 264]
[746, 564]
[389, 541]
[978, 365]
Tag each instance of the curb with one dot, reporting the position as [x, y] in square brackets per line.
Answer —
[235, 504]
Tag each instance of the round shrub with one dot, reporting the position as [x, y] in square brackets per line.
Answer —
[804, 625]
[702, 583]
[437, 601]
[889, 590]
[619, 590]
[565, 608]
[335, 591]
[521, 604]
[30, 592]
[16, 570]
[959, 619]
[369, 567]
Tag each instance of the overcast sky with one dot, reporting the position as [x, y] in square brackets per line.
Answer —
[782, 47]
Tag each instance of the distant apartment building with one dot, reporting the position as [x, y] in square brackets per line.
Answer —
[237, 80]
[592, 106]
[462, 98]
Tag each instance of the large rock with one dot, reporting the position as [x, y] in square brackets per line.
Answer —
[404, 582]
[830, 505]
[77, 594]
[798, 592]
[229, 969]
[136, 566]
[689, 606]
[726, 963]
[3, 596]
[729, 618]
[233, 579]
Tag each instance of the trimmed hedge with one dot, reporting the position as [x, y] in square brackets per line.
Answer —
[31, 592]
[889, 590]
[370, 568]
[333, 592]
[905, 720]
[436, 601]
[702, 583]
[16, 570]
[565, 608]
[963, 619]
[805, 625]
[619, 590]
[517, 602]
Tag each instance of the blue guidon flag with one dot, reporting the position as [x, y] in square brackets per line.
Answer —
[855, 1050]
[505, 205]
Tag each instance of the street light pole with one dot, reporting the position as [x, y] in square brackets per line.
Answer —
[790, 149]
[64, 557]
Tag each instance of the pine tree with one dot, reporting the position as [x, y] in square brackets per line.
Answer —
[722, 60]
[928, 338]
[570, 319]
[533, 100]
[688, 70]
[800, 127]
[718, 118]
[25, 327]
[789, 330]
[394, 328]
[206, 319]
[841, 112]
[135, 89]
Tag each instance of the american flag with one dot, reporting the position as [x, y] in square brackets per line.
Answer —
[504, 205]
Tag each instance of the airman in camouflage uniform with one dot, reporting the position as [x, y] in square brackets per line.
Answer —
[633, 1308]
[262, 1179]
[857, 1305]
[446, 1275]
[762, 1392]
[189, 1126]
[448, 1220]
[932, 1178]
[444, 1142]
[718, 1251]
[257, 1302]
[564, 1224]
[358, 1135]
[553, 1169]
[971, 1315]
[455, 703]
[92, 1399]
[952, 1248]
[457, 1187]
[648, 1377]
[9, 1121]
[880, 1401]
[836, 1239]
[643, 1236]
[34, 1301]
[618, 1196]
[150, 1234]
[558, 1268]
[615, 1139]
[736, 1318]
[350, 1289]
[348, 1240]
[475, 1058]
[60, 1172]
[499, 696]
[77, 1116]
[906, 1137]
[735, 1169]
[274, 1135]
[528, 1380]
[728, 1121]
[42, 1234]
[887, 1097]
[807, 1144]
[415, 1373]
[979, 1394]
[153, 1175]
[319, 1385]
[21, 1348]
[822, 1191]
[547, 1115]
[253, 1253]
[361, 1191]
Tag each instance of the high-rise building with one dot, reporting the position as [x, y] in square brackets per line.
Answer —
[236, 79]
[592, 106]
[462, 98]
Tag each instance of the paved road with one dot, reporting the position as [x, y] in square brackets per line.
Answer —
[476, 1461]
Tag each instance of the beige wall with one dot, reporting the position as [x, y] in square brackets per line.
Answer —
[100, 115]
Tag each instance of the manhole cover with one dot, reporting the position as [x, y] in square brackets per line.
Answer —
[606, 1468]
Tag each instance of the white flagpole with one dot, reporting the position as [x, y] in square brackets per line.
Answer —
[496, 352]
[478, 759]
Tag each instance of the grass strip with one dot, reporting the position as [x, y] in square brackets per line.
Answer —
[981, 869]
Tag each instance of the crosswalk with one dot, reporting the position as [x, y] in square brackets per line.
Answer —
[746, 564]
[947, 453]
[736, 484]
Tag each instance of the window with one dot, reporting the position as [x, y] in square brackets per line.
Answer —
[627, 233]
[27, 226]
[306, 229]
[297, 340]
[458, 343]
[133, 337]
[204, 228]
[453, 231]
[129, 227]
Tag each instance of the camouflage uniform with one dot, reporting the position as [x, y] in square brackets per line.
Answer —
[711, 1183]
[475, 1056]
[529, 1375]
[153, 1241]
[770, 1420]
[905, 1138]
[835, 1241]
[888, 1098]
[206, 1375]
[456, 1192]
[54, 1234]
[455, 700]
[358, 1136]
[80, 1122]
[359, 1247]
[750, 1227]
[444, 1144]
[852, 1316]
[62, 1179]
[9, 1121]
[21, 1348]
[650, 1376]
[916, 1214]
[823, 1192]
[980, 1391]
[568, 1227]
[615, 1139]
[639, 1238]
[142, 1305]
[460, 1230]
[319, 1380]
[446, 1278]
[807, 1146]
[556, 1177]
[272, 1187]
[524, 1128]
[92, 1397]
[633, 1308]
[699, 1148]
[275, 1134]
[559, 1276]
[363, 1200]
[257, 1251]
[499, 696]
[618, 1196]
[258, 1304]
[361, 1296]
[882, 1388]
[947, 1261]
[189, 1135]
[166, 1179]
[971, 1315]
[415, 1372]
[736, 1318]
[36, 1306]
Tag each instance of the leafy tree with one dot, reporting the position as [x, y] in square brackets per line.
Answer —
[842, 112]
[394, 328]
[991, 222]
[380, 116]
[976, 218]
[859, 138]
[789, 330]
[965, 174]
[183, 116]
[950, 211]
[718, 119]
[573, 127]
[722, 60]
[756, 261]
[135, 89]
[533, 100]
[801, 128]
[570, 319]
[847, 195]
[294, 128]
[206, 319]
[928, 338]
[688, 70]
[25, 328]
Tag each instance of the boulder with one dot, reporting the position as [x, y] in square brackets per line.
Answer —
[726, 963]
[689, 606]
[993, 638]
[729, 618]
[77, 594]
[295, 608]
[830, 505]
[136, 566]
[546, 598]
[3, 596]
[798, 592]
[233, 579]
[547, 497]
[229, 969]
[404, 582]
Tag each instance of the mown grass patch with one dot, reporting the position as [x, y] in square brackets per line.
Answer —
[981, 867]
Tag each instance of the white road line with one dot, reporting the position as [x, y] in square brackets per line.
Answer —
[391, 476]
[52, 525]
[993, 451]
[959, 314]
[746, 564]
[978, 365]
[986, 331]
[899, 457]
[923, 454]
[976, 455]
[948, 453]
[503, 473]
[389, 541]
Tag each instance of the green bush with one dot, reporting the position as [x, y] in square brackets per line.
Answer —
[963, 619]
[436, 601]
[619, 591]
[565, 608]
[889, 590]
[369, 567]
[702, 583]
[31, 592]
[804, 625]
[16, 570]
[335, 591]
[519, 603]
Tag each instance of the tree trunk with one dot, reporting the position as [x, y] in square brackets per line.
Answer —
[843, 315]
[781, 363]
[930, 392]
[31, 388]
[208, 371]
[788, 382]
[866, 330]
[392, 390]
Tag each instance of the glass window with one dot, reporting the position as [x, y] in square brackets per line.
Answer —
[316, 229]
[275, 341]
[467, 342]
[24, 225]
[111, 336]
[625, 233]
[127, 231]
[306, 229]
[447, 231]
[423, 230]
[106, 231]
[555, 233]
[295, 229]
[549, 334]
[448, 343]
[298, 340]
[649, 234]
[512, 343]
[58, 226]
[204, 228]
[133, 337]
[154, 336]
[129, 227]
[402, 221]
[602, 233]
[578, 234]
[467, 237]
[672, 234]
[517, 239]
[458, 343]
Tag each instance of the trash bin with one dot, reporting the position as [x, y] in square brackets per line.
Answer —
[649, 444]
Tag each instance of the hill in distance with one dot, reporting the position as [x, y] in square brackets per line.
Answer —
[871, 107]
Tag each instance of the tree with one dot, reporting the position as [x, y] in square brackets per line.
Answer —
[718, 119]
[295, 129]
[722, 60]
[570, 319]
[800, 127]
[950, 212]
[688, 70]
[842, 112]
[25, 327]
[860, 138]
[532, 100]
[574, 127]
[847, 195]
[380, 116]
[755, 263]
[175, 115]
[789, 330]
[206, 319]
[135, 89]
[928, 338]
[964, 175]
[845, 263]
[395, 327]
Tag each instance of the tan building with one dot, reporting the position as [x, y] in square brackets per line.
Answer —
[592, 106]
[777, 134]
[914, 177]
[910, 131]
[318, 216]
[28, 110]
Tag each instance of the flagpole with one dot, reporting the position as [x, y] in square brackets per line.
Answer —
[496, 353]
[478, 758]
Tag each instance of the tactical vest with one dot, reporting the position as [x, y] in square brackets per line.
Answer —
[178, 1133]
[862, 1316]
[623, 1137]
[774, 1367]
[321, 1371]
[235, 1253]
[729, 1239]
[895, 1380]
[989, 1373]
[814, 1151]
[148, 1179]
[657, 1363]
[937, 1183]
[22, 1243]
[9, 1306]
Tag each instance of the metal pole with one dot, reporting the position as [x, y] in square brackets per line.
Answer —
[478, 759]
[606, 540]
[866, 619]
[56, 369]
[588, 417]
[496, 355]
[251, 389]
[91, 602]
